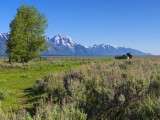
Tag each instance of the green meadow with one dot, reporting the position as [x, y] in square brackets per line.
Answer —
[80, 88]
[16, 79]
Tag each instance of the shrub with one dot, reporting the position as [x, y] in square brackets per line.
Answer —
[106, 91]
[116, 90]
[2, 94]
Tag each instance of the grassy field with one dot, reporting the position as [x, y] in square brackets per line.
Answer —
[16, 79]
[80, 88]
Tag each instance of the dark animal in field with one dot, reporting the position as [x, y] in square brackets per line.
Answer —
[129, 55]
[122, 57]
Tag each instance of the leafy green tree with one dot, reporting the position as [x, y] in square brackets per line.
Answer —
[26, 34]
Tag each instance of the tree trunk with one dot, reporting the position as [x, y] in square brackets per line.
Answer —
[9, 60]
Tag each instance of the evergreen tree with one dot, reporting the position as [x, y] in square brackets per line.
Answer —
[26, 34]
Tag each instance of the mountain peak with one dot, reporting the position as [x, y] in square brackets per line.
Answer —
[63, 40]
[4, 36]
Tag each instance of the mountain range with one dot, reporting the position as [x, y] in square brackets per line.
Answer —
[64, 45]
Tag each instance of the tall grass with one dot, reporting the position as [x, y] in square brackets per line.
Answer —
[122, 89]
[119, 90]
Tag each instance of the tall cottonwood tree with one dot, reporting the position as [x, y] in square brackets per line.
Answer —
[26, 34]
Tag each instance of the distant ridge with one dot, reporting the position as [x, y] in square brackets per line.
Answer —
[64, 45]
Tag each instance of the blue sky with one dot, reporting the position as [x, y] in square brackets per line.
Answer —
[129, 23]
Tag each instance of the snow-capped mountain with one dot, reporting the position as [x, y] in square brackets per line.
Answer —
[64, 45]
[60, 45]
[3, 38]
[63, 40]
[101, 50]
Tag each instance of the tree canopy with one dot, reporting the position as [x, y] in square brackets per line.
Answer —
[27, 37]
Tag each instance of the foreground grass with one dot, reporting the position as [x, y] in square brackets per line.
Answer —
[120, 90]
[18, 78]
[79, 89]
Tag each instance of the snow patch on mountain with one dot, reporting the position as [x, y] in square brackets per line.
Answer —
[4, 36]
